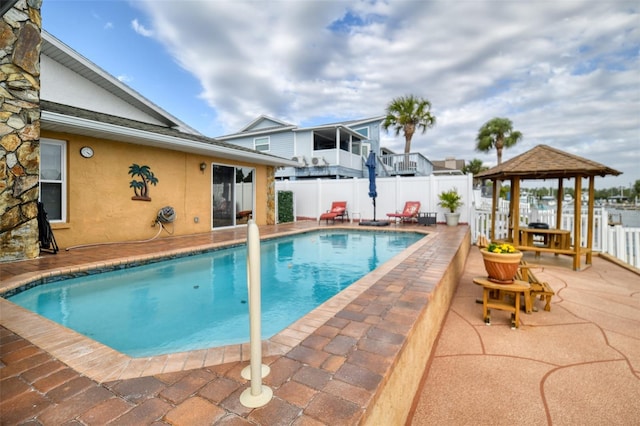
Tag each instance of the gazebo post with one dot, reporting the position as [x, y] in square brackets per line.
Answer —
[577, 222]
[515, 210]
[591, 207]
[559, 203]
[494, 208]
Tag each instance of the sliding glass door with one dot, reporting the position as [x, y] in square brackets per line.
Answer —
[232, 195]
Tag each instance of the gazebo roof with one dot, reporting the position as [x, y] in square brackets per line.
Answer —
[545, 162]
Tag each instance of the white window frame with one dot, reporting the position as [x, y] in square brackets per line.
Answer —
[63, 177]
[365, 148]
[260, 142]
[364, 131]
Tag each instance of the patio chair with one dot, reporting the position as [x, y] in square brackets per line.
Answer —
[538, 288]
[338, 210]
[410, 212]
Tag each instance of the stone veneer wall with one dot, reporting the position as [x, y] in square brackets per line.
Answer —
[20, 42]
[271, 195]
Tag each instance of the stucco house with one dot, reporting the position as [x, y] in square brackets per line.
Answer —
[107, 160]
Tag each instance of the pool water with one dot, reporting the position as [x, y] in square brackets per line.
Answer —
[200, 301]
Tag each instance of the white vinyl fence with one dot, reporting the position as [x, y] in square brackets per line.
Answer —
[311, 198]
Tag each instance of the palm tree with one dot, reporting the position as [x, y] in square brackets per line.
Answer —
[474, 167]
[408, 114]
[497, 133]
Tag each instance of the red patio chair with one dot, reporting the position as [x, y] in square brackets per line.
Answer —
[338, 210]
[410, 212]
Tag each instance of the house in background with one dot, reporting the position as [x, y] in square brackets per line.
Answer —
[110, 160]
[448, 166]
[332, 151]
[329, 151]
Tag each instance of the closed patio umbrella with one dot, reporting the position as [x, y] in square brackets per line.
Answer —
[371, 165]
[373, 193]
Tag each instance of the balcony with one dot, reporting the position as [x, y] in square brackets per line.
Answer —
[412, 164]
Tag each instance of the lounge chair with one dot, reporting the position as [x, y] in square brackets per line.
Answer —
[338, 210]
[410, 212]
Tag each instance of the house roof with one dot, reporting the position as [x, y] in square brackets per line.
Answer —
[279, 124]
[358, 121]
[66, 56]
[63, 118]
[442, 165]
[545, 162]
[250, 130]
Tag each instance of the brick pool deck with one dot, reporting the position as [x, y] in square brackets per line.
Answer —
[359, 360]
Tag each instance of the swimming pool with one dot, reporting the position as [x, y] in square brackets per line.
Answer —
[200, 301]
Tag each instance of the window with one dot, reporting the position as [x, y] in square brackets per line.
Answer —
[53, 187]
[364, 131]
[355, 147]
[261, 144]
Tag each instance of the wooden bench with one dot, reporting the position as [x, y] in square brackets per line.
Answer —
[538, 288]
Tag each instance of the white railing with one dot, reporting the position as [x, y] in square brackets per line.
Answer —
[413, 163]
[624, 244]
[618, 241]
[350, 160]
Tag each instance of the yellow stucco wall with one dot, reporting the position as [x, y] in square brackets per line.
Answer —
[99, 200]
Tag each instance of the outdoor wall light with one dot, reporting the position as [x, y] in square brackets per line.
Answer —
[203, 166]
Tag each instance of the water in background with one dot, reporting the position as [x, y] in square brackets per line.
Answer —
[630, 218]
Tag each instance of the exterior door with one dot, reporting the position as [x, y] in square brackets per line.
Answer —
[232, 195]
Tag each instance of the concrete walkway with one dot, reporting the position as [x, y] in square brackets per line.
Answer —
[578, 364]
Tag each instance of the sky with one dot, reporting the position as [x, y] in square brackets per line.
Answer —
[565, 72]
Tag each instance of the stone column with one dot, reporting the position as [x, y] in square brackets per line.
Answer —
[20, 42]
[271, 195]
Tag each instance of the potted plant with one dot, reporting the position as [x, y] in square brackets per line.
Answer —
[452, 201]
[501, 260]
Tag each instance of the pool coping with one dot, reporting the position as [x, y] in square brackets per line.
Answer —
[103, 364]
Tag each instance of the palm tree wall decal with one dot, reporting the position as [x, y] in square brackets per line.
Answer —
[141, 188]
[407, 114]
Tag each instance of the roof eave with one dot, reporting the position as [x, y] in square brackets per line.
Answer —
[60, 122]
[568, 174]
[262, 132]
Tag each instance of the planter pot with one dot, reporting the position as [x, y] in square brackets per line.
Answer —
[501, 267]
[452, 218]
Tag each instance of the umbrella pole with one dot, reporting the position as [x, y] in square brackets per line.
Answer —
[374, 209]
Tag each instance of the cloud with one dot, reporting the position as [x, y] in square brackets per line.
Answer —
[566, 73]
[140, 29]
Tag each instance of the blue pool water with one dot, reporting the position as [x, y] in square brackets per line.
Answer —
[200, 301]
